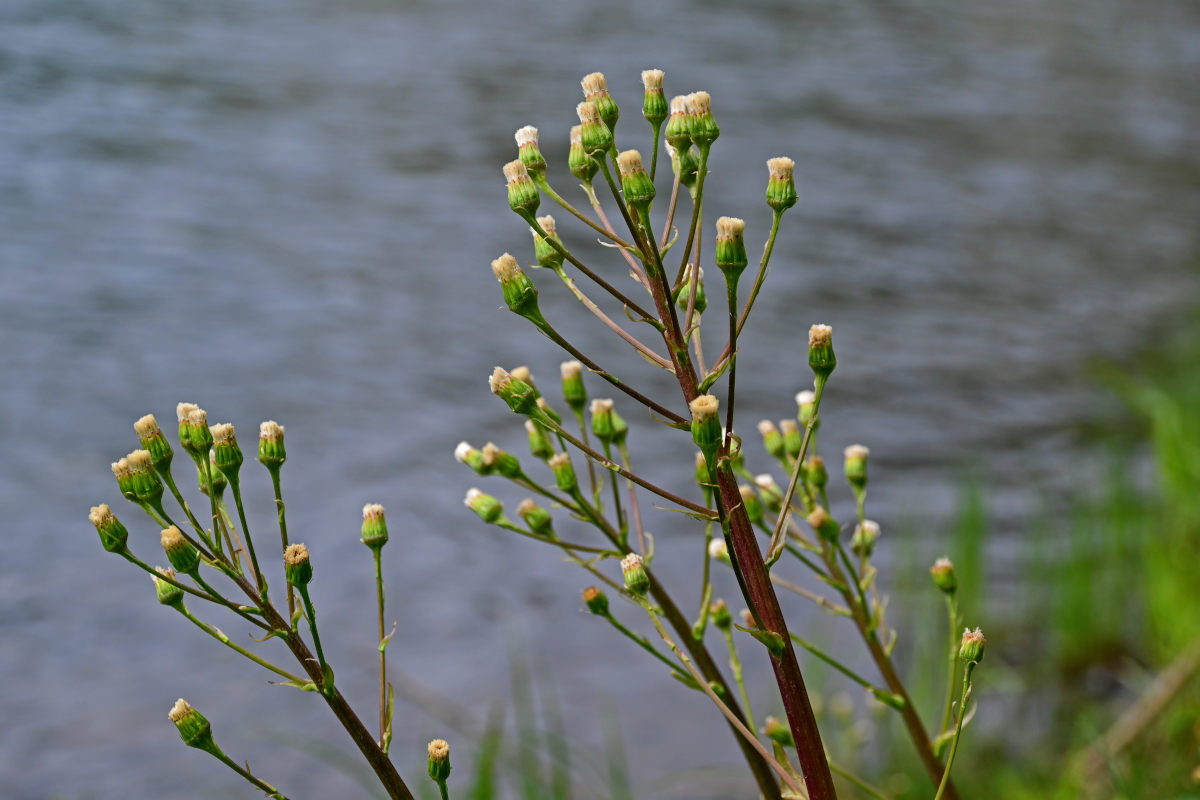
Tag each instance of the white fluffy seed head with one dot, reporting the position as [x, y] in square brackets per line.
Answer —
[679, 104]
[548, 225]
[522, 373]
[820, 335]
[652, 79]
[704, 407]
[180, 710]
[146, 426]
[594, 83]
[500, 378]
[172, 538]
[630, 161]
[120, 468]
[140, 461]
[570, 369]
[223, 432]
[505, 268]
[100, 515]
[526, 135]
[198, 418]
[183, 409]
[270, 430]
[588, 113]
[515, 171]
[631, 561]
[295, 554]
[728, 227]
[372, 511]
[439, 750]
[780, 167]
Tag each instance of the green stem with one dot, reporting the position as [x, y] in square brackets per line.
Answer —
[169, 480]
[260, 580]
[776, 545]
[857, 781]
[212, 502]
[222, 600]
[383, 720]
[544, 185]
[622, 522]
[962, 707]
[259, 784]
[312, 626]
[643, 643]
[735, 666]
[952, 612]
[654, 151]
[220, 636]
[283, 534]
[442, 790]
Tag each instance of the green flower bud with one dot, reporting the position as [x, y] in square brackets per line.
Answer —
[678, 126]
[500, 462]
[520, 295]
[168, 593]
[180, 552]
[489, 509]
[147, 486]
[582, 166]
[271, 451]
[772, 438]
[522, 373]
[806, 405]
[528, 151]
[439, 760]
[686, 164]
[654, 106]
[194, 435]
[620, 428]
[866, 533]
[466, 454]
[781, 187]
[754, 509]
[637, 582]
[182, 410]
[564, 473]
[537, 518]
[595, 91]
[815, 472]
[701, 125]
[602, 420]
[596, 601]
[218, 477]
[706, 426]
[820, 350]
[856, 465]
[825, 525]
[543, 405]
[635, 181]
[374, 526]
[703, 479]
[520, 396]
[523, 195]
[194, 729]
[154, 440]
[547, 255]
[772, 494]
[719, 612]
[113, 535]
[539, 441]
[596, 137]
[297, 566]
[778, 732]
[226, 455]
[124, 476]
[731, 248]
[792, 439]
[943, 575]
[719, 551]
[684, 293]
[574, 392]
[970, 650]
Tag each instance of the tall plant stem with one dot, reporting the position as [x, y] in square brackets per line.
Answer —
[952, 612]
[283, 535]
[944, 788]
[383, 703]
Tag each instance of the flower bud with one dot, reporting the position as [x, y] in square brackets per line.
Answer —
[602, 421]
[684, 293]
[731, 248]
[194, 729]
[778, 732]
[820, 350]
[866, 533]
[701, 125]
[154, 440]
[686, 164]
[537, 518]
[523, 195]
[519, 395]
[218, 477]
[772, 494]
[706, 426]
[772, 438]
[147, 486]
[271, 451]
[596, 137]
[943, 575]
[124, 476]
[520, 295]
[678, 126]
[791, 437]
[539, 441]
[582, 166]
[703, 479]
[182, 410]
[574, 392]
[226, 455]
[754, 509]
[596, 601]
[806, 405]
[717, 549]
[654, 106]
[564, 473]
[781, 187]
[374, 526]
[168, 593]
[635, 181]
[489, 509]
[439, 760]
[970, 650]
[528, 151]
[815, 472]
[113, 535]
[637, 582]
[595, 90]
[180, 552]
[464, 453]
[543, 405]
[522, 373]
[825, 525]
[620, 428]
[199, 437]
[721, 617]
[547, 254]
[297, 567]
[856, 465]
[500, 462]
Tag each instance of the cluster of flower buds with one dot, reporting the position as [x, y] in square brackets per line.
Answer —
[194, 435]
[654, 104]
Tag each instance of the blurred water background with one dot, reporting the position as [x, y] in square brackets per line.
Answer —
[287, 210]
